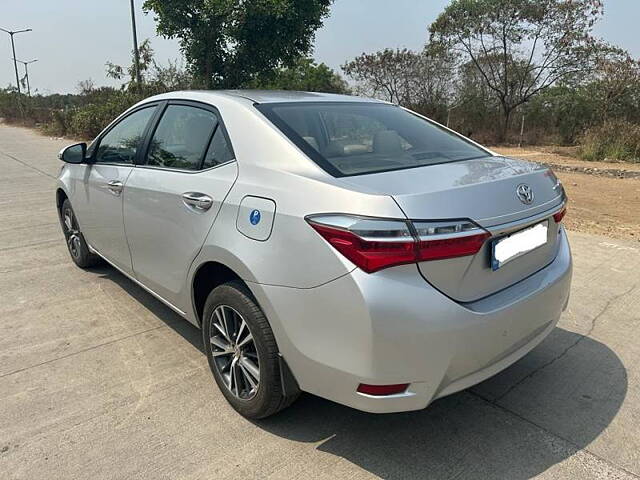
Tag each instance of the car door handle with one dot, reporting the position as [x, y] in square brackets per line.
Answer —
[115, 187]
[197, 201]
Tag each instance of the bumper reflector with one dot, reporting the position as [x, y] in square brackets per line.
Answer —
[382, 390]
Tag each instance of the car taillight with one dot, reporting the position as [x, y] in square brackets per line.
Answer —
[440, 240]
[558, 216]
[373, 244]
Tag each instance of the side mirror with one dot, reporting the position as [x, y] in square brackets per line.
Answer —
[73, 153]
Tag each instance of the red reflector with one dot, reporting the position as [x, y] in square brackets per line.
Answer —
[382, 390]
[369, 255]
[451, 247]
[560, 215]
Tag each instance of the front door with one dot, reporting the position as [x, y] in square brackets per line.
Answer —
[105, 177]
[172, 200]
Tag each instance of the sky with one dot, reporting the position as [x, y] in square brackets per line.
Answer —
[72, 39]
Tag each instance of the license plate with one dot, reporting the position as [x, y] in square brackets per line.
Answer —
[517, 244]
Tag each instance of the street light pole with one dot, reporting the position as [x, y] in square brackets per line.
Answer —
[26, 72]
[13, 48]
[136, 55]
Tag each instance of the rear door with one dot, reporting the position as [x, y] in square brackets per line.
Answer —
[100, 204]
[173, 197]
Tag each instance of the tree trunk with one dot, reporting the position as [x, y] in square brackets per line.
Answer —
[208, 75]
[504, 128]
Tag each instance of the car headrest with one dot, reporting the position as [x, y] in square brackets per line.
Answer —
[334, 149]
[387, 141]
[337, 148]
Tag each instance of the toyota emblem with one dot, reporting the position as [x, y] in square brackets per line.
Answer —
[525, 193]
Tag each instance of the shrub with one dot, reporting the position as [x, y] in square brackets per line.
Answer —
[58, 125]
[613, 140]
[82, 115]
[10, 107]
[89, 120]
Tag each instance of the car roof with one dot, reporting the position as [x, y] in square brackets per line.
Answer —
[275, 96]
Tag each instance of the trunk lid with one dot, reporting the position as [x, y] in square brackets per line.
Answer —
[482, 190]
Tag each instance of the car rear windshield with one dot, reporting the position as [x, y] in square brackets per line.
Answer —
[360, 138]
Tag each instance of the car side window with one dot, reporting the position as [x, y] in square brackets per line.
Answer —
[181, 138]
[121, 143]
[219, 150]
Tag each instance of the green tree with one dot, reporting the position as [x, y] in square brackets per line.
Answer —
[476, 109]
[155, 78]
[118, 72]
[610, 93]
[563, 110]
[520, 47]
[228, 43]
[304, 75]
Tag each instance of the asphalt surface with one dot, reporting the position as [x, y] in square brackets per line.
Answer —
[100, 380]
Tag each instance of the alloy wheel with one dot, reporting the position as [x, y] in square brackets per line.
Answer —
[234, 352]
[72, 233]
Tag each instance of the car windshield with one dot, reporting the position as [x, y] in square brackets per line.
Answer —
[360, 138]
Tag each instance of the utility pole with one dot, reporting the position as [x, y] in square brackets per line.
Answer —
[13, 48]
[136, 55]
[26, 72]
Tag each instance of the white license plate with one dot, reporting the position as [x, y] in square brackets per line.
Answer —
[517, 244]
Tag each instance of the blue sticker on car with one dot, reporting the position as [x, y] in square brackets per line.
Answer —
[254, 217]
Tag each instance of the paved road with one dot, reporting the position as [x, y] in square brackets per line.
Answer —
[100, 380]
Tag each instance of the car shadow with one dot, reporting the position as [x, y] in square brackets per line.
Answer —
[489, 431]
[186, 330]
[540, 411]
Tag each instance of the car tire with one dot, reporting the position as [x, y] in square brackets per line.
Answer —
[234, 360]
[76, 244]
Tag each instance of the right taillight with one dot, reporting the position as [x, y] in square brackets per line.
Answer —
[455, 238]
[373, 244]
[558, 216]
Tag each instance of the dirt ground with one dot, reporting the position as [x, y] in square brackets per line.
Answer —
[601, 201]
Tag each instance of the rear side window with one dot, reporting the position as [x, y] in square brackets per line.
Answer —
[121, 143]
[181, 138]
[219, 151]
[361, 138]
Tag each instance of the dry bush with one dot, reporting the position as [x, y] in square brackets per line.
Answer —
[613, 140]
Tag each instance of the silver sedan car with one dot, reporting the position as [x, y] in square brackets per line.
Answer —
[329, 244]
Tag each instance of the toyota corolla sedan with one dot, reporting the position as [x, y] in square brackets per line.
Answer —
[329, 244]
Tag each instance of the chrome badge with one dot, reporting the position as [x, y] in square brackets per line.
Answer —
[525, 193]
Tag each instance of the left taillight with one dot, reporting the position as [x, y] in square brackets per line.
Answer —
[373, 244]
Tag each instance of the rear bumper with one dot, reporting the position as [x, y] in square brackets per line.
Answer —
[392, 327]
